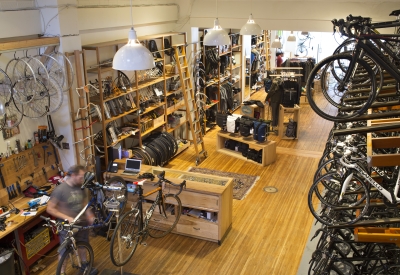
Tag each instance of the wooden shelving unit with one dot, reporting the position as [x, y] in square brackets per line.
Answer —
[94, 57]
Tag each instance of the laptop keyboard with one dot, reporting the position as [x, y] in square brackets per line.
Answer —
[129, 172]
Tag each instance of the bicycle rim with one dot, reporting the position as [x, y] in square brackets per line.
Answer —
[125, 238]
[69, 263]
[331, 104]
[68, 69]
[40, 105]
[56, 95]
[165, 219]
[53, 67]
[14, 114]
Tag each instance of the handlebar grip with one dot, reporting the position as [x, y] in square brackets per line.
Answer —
[45, 218]
[77, 226]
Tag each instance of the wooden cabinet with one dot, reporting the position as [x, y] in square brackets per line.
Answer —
[268, 147]
[286, 113]
[214, 199]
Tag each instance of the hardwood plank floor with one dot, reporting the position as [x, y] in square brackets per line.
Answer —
[269, 230]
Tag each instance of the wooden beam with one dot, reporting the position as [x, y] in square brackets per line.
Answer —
[23, 43]
[385, 142]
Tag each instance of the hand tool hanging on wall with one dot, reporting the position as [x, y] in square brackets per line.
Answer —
[13, 192]
[15, 165]
[9, 194]
[35, 158]
[48, 156]
[1, 177]
[45, 173]
[44, 154]
[19, 188]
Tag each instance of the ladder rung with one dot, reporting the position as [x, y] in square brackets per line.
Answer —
[195, 121]
[197, 132]
[201, 152]
[200, 142]
[184, 67]
[186, 78]
[177, 45]
[181, 56]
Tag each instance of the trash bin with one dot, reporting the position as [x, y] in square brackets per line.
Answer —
[7, 262]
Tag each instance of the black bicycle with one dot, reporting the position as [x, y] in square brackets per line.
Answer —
[143, 220]
[356, 84]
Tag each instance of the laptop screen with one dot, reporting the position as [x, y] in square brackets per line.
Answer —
[133, 164]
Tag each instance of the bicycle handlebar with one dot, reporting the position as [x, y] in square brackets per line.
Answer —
[60, 225]
[162, 178]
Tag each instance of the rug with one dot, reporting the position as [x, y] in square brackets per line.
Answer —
[242, 183]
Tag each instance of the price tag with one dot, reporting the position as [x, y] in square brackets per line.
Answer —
[158, 92]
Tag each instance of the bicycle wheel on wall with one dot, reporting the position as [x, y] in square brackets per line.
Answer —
[69, 263]
[165, 217]
[339, 94]
[125, 238]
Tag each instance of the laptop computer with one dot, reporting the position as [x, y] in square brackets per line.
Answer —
[132, 166]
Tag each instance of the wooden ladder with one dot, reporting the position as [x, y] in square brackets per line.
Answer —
[190, 102]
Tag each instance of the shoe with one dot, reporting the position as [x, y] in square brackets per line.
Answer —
[94, 270]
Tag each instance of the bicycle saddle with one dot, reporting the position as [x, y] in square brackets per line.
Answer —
[395, 13]
[147, 176]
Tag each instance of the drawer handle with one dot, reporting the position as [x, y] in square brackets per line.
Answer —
[196, 228]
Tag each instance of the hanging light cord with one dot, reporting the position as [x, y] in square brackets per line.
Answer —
[216, 4]
[131, 15]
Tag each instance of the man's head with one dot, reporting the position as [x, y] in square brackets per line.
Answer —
[279, 54]
[76, 174]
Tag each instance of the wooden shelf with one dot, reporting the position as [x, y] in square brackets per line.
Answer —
[234, 67]
[121, 115]
[103, 70]
[152, 108]
[96, 99]
[26, 42]
[225, 53]
[152, 129]
[212, 104]
[211, 83]
[176, 127]
[236, 47]
[173, 92]
[149, 82]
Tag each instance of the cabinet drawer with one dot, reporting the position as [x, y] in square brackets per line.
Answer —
[197, 200]
[197, 228]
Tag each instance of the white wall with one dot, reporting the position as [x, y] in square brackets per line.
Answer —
[293, 15]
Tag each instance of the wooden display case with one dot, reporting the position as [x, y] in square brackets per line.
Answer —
[284, 114]
[268, 147]
[216, 199]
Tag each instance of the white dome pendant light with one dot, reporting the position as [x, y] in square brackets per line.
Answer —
[291, 37]
[133, 56]
[217, 36]
[251, 27]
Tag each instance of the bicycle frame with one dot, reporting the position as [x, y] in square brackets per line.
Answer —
[144, 221]
[391, 197]
[364, 45]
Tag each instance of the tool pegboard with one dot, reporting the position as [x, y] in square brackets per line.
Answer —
[31, 166]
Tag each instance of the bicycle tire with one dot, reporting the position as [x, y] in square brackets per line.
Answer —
[53, 67]
[116, 181]
[338, 95]
[40, 105]
[128, 226]
[161, 224]
[326, 199]
[56, 95]
[301, 51]
[73, 267]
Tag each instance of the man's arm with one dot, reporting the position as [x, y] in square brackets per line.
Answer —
[52, 209]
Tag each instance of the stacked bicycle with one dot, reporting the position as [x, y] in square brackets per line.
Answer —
[353, 193]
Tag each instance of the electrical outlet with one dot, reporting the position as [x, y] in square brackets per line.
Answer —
[65, 145]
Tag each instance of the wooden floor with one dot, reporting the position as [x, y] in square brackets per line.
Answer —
[269, 230]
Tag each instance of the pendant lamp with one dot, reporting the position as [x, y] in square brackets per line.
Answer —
[276, 43]
[251, 27]
[291, 37]
[133, 56]
[217, 36]
[305, 33]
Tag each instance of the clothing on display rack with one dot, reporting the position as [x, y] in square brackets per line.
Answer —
[306, 63]
[275, 96]
[291, 92]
